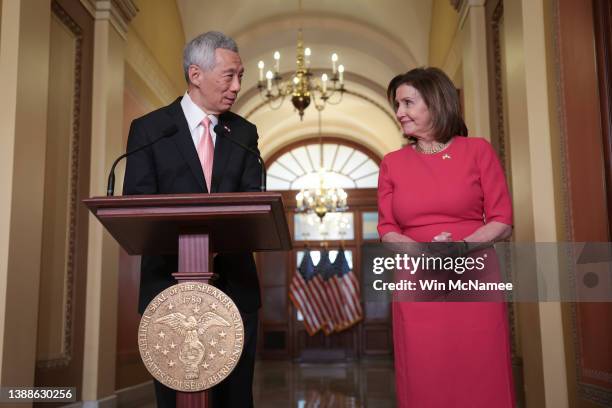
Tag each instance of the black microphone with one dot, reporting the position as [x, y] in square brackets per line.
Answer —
[110, 189]
[219, 130]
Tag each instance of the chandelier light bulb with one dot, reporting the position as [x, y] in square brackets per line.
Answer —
[307, 57]
[269, 76]
[341, 73]
[324, 80]
[334, 58]
[296, 80]
[277, 61]
[261, 65]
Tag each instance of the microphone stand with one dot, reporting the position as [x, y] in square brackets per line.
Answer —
[219, 130]
[110, 187]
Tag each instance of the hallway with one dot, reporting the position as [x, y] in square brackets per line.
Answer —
[285, 384]
[534, 79]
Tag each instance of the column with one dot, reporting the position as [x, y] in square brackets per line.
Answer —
[111, 19]
[24, 72]
[543, 187]
[530, 119]
[475, 69]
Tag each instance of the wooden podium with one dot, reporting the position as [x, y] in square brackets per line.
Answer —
[192, 225]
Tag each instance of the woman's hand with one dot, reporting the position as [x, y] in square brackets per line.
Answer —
[491, 232]
[443, 237]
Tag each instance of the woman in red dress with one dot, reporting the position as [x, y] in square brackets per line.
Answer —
[445, 187]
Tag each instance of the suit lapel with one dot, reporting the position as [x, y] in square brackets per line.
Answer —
[223, 149]
[184, 143]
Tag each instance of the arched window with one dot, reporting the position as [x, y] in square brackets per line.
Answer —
[347, 165]
[296, 166]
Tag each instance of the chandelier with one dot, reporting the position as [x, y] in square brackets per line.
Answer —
[321, 200]
[303, 87]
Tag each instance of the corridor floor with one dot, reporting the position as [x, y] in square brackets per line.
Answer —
[358, 384]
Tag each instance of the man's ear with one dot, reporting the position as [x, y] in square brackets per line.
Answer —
[195, 74]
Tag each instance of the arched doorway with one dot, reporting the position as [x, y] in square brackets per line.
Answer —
[353, 167]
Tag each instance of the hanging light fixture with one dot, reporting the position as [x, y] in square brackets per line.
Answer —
[303, 87]
[321, 200]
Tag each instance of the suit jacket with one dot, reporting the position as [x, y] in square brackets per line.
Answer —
[172, 166]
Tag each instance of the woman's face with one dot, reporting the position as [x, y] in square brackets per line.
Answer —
[412, 113]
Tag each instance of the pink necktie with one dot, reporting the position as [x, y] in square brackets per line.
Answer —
[206, 152]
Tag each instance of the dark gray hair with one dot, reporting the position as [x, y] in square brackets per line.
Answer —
[201, 50]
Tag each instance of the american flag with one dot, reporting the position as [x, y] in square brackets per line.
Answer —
[327, 295]
[302, 298]
[320, 290]
[334, 294]
[348, 286]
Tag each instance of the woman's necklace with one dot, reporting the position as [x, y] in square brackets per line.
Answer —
[434, 148]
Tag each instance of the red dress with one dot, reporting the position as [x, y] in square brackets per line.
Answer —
[453, 354]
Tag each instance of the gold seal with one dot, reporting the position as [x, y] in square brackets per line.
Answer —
[191, 336]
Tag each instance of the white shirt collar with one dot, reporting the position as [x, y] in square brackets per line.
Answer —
[194, 114]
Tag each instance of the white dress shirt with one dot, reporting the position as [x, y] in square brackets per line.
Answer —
[194, 115]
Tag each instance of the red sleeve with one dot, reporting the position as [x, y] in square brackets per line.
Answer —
[497, 203]
[386, 221]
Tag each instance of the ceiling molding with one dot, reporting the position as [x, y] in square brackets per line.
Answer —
[314, 22]
[407, 22]
[457, 4]
[119, 12]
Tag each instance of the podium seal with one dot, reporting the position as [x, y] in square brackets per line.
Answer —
[191, 336]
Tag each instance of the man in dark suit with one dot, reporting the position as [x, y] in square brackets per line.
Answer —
[195, 159]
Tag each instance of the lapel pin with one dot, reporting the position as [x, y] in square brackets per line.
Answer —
[227, 129]
[446, 156]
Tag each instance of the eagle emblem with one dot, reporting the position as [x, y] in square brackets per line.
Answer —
[192, 350]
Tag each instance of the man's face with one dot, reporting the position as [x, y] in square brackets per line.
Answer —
[217, 89]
